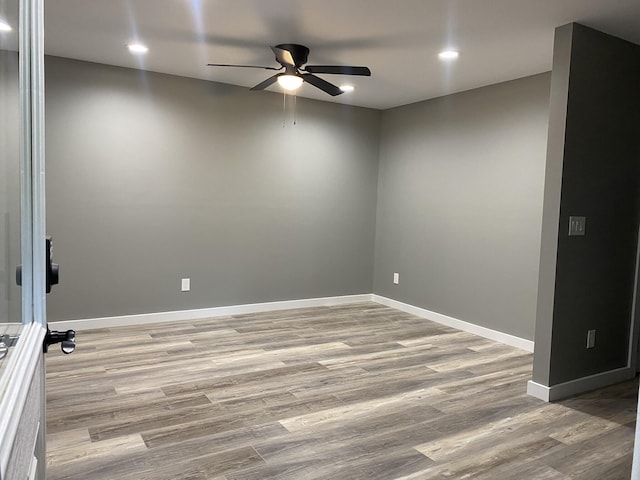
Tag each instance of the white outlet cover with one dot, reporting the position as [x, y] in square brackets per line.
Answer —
[396, 278]
[186, 284]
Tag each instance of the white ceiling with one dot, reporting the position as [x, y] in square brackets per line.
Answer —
[399, 40]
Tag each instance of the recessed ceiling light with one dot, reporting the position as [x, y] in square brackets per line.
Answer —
[4, 26]
[347, 88]
[137, 48]
[448, 55]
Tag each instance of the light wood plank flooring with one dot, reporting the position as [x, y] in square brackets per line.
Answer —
[353, 392]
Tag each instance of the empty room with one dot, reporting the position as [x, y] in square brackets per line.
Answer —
[319, 240]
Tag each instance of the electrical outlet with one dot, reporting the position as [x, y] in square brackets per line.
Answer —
[396, 278]
[591, 338]
[186, 284]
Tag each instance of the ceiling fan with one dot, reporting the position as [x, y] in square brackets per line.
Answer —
[292, 59]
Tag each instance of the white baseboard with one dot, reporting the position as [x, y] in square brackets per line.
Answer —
[539, 391]
[179, 315]
[175, 316]
[455, 323]
[579, 385]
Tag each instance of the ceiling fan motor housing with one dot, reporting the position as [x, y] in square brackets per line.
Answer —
[300, 53]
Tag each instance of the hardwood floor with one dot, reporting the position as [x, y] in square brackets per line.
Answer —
[354, 392]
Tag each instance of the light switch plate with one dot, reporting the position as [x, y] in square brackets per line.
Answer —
[577, 226]
[185, 284]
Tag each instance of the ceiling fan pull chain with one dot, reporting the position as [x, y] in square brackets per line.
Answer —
[295, 111]
[284, 109]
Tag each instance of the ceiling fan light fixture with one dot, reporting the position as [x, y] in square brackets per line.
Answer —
[290, 82]
[347, 88]
[4, 26]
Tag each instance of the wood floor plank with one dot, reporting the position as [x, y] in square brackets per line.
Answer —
[350, 392]
[85, 452]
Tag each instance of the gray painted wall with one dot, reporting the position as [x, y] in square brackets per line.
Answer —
[551, 204]
[151, 178]
[10, 257]
[460, 204]
[600, 161]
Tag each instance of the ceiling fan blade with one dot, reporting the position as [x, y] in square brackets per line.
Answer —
[283, 56]
[338, 70]
[323, 85]
[241, 66]
[266, 83]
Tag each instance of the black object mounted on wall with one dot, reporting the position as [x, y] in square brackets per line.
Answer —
[52, 270]
[52, 277]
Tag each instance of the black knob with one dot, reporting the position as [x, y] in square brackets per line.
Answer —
[67, 340]
[68, 346]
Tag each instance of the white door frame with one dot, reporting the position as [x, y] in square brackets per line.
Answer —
[25, 367]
